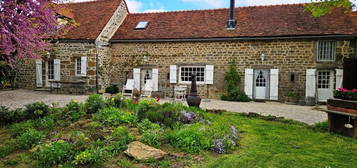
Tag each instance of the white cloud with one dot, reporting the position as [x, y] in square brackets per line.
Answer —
[211, 3]
[154, 10]
[134, 6]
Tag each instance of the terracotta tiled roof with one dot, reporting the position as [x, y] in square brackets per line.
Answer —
[257, 21]
[92, 16]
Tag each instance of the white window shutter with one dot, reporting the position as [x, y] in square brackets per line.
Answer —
[57, 69]
[39, 73]
[310, 83]
[173, 73]
[155, 78]
[248, 82]
[339, 78]
[83, 66]
[209, 74]
[136, 76]
[274, 84]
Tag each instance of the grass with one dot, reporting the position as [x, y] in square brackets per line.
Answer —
[262, 143]
[276, 144]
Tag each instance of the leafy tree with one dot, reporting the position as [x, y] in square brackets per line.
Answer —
[323, 7]
[25, 27]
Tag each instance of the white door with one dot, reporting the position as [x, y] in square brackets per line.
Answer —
[146, 74]
[325, 85]
[261, 84]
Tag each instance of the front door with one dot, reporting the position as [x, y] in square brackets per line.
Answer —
[261, 84]
[325, 85]
[145, 74]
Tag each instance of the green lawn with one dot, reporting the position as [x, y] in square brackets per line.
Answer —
[262, 143]
[276, 144]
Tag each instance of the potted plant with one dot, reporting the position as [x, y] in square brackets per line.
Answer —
[345, 94]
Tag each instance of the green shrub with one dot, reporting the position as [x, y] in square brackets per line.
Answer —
[54, 153]
[45, 123]
[166, 114]
[112, 89]
[80, 141]
[93, 126]
[114, 116]
[152, 137]
[146, 124]
[20, 128]
[8, 148]
[73, 111]
[90, 157]
[29, 139]
[118, 141]
[231, 81]
[116, 101]
[191, 138]
[236, 94]
[94, 103]
[145, 106]
[129, 105]
[36, 110]
[8, 116]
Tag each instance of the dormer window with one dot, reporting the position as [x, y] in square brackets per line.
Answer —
[142, 25]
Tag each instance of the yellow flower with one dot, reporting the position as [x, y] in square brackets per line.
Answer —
[113, 99]
[75, 101]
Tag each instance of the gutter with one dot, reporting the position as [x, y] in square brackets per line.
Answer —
[233, 38]
[73, 41]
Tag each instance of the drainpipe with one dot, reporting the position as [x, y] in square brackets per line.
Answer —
[356, 48]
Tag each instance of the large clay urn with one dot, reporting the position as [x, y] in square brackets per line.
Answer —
[193, 100]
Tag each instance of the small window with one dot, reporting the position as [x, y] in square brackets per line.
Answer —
[293, 77]
[186, 71]
[326, 51]
[142, 25]
[78, 66]
[51, 70]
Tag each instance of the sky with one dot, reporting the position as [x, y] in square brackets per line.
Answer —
[137, 6]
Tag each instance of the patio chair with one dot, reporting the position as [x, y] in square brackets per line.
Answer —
[180, 92]
[148, 88]
[128, 88]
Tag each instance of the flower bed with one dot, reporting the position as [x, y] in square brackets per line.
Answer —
[345, 94]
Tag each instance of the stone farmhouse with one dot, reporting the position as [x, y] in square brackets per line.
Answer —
[280, 50]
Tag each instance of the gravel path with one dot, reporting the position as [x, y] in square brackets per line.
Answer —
[19, 98]
[306, 114]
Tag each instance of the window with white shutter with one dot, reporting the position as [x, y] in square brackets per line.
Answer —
[81, 66]
[186, 72]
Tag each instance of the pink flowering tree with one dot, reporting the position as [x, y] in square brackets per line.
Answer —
[26, 27]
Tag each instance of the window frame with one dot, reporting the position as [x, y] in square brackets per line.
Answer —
[78, 60]
[330, 49]
[192, 66]
[49, 70]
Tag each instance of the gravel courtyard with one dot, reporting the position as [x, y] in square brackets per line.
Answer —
[306, 114]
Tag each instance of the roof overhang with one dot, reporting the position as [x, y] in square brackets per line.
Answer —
[350, 36]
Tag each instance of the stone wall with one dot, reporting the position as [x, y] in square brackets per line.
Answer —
[67, 53]
[286, 55]
[102, 44]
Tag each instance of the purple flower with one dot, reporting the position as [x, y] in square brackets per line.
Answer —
[219, 146]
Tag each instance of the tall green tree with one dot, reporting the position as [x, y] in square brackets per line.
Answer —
[323, 7]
